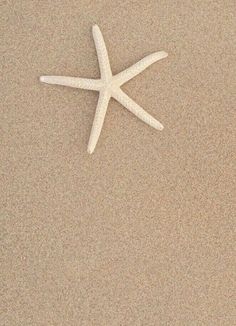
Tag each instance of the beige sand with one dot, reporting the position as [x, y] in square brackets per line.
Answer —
[141, 232]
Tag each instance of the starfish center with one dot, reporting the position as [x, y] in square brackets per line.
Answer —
[109, 85]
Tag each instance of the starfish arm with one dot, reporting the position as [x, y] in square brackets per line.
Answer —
[133, 107]
[102, 54]
[84, 83]
[138, 67]
[100, 113]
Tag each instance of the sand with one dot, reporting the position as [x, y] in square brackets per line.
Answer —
[140, 232]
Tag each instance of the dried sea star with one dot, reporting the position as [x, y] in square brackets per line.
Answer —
[109, 86]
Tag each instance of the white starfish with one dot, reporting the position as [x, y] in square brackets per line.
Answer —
[109, 86]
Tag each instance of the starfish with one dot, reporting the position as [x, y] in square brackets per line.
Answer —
[108, 86]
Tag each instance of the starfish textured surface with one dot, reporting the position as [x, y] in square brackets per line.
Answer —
[109, 86]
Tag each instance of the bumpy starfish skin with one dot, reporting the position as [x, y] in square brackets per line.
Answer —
[109, 86]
